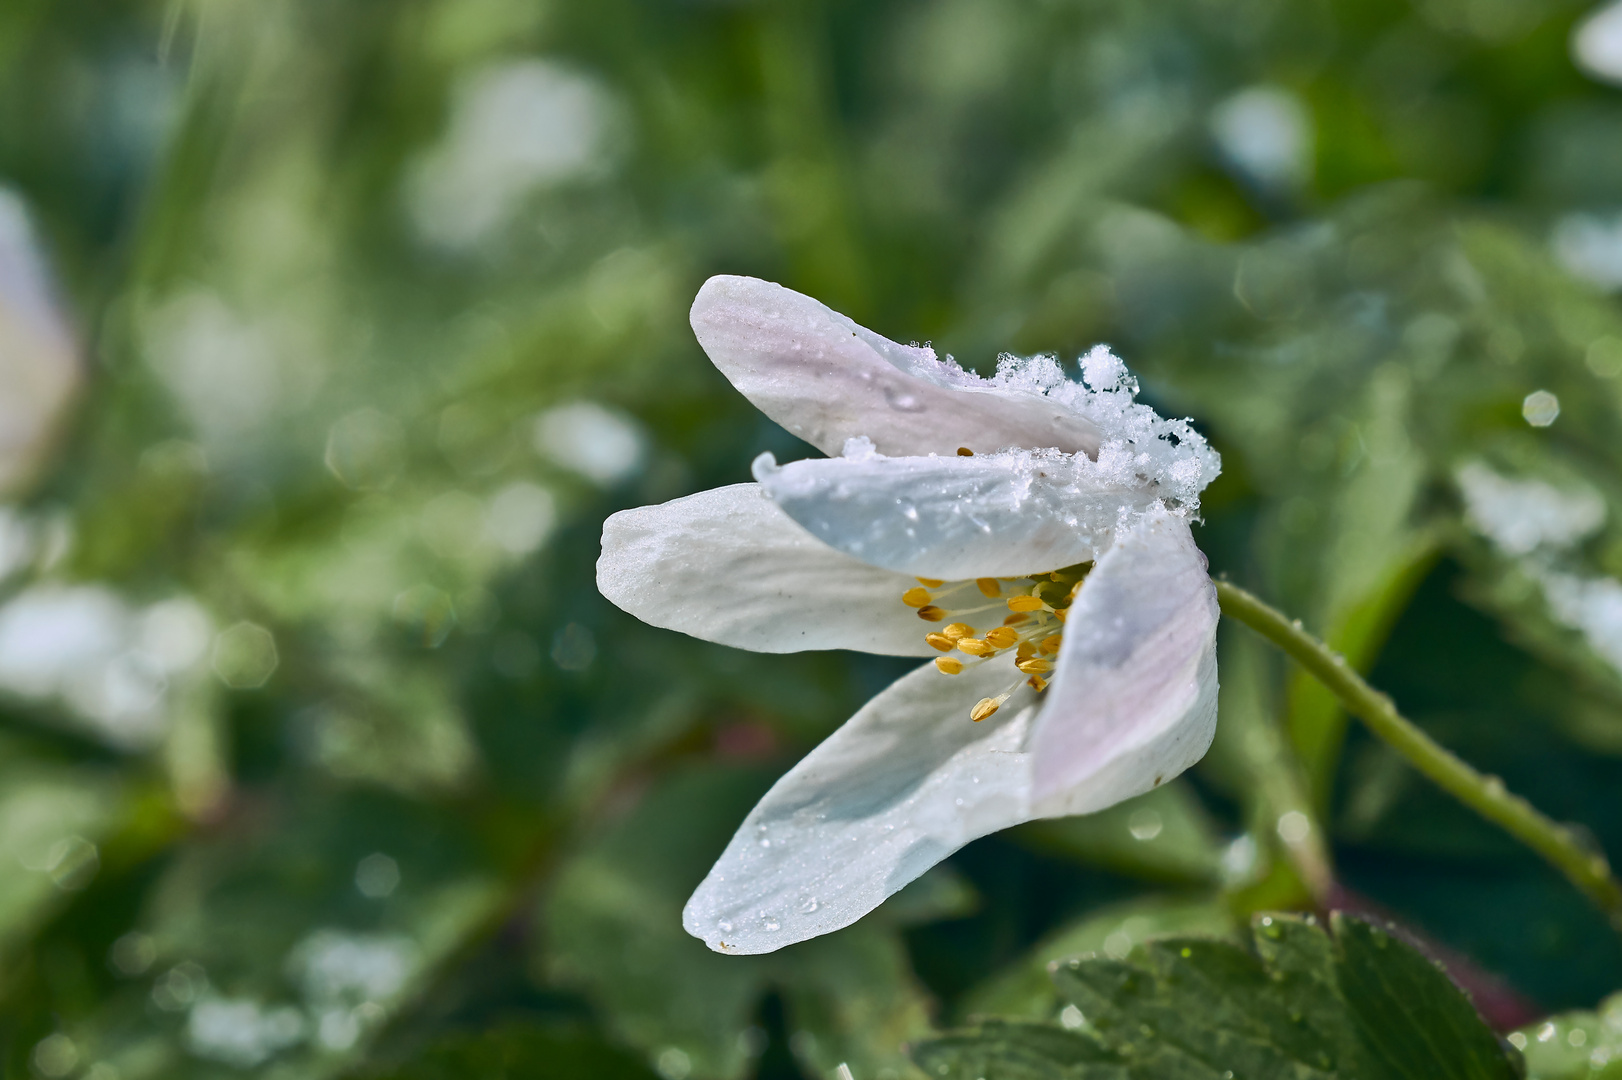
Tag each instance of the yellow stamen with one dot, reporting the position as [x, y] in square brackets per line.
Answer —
[940, 641]
[930, 582]
[948, 665]
[1025, 651]
[916, 597]
[931, 613]
[1050, 644]
[1061, 613]
[1016, 618]
[957, 630]
[1002, 637]
[1034, 666]
[964, 451]
[975, 647]
[988, 586]
[1037, 683]
[1025, 603]
[984, 708]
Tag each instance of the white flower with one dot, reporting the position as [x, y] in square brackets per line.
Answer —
[1029, 532]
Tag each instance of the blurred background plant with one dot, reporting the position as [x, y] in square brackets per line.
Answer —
[330, 333]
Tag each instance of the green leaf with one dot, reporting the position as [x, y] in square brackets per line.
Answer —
[1298, 1005]
[1581, 1045]
[517, 1052]
[1019, 1050]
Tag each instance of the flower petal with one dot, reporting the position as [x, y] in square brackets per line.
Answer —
[826, 379]
[904, 783]
[728, 566]
[1133, 700]
[1002, 515]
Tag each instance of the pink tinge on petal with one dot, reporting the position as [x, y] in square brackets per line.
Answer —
[1133, 700]
[826, 380]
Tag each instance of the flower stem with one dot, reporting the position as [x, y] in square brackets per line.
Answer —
[1585, 867]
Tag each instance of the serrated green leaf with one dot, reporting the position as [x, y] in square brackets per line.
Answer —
[1579, 1045]
[1298, 1005]
[1413, 1021]
[1015, 1050]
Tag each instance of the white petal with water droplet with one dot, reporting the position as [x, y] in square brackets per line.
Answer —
[1133, 698]
[904, 783]
[826, 379]
[729, 566]
[1002, 515]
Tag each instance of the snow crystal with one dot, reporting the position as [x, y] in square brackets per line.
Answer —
[1168, 456]
[1521, 516]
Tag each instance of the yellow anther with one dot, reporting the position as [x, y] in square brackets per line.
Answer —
[957, 630]
[940, 641]
[931, 613]
[1002, 637]
[976, 647]
[948, 665]
[1025, 651]
[1037, 683]
[1025, 603]
[930, 582]
[984, 708]
[964, 451]
[1034, 666]
[1050, 644]
[1016, 618]
[916, 597]
[1060, 613]
[988, 586]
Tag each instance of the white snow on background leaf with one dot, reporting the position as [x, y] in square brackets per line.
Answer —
[1589, 246]
[240, 1032]
[514, 127]
[1596, 43]
[1522, 516]
[604, 445]
[109, 663]
[1592, 606]
[1266, 133]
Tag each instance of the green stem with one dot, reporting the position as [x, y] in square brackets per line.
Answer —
[1584, 867]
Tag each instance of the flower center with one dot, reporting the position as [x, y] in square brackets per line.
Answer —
[1023, 614]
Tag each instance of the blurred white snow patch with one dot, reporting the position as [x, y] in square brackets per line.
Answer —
[240, 1032]
[221, 369]
[520, 517]
[1589, 246]
[1521, 516]
[1596, 43]
[108, 663]
[39, 365]
[1266, 132]
[604, 445]
[338, 968]
[1592, 606]
[514, 127]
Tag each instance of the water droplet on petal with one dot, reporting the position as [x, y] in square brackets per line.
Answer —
[810, 905]
[771, 924]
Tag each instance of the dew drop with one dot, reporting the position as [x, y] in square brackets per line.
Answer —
[809, 906]
[725, 925]
[765, 842]
[771, 924]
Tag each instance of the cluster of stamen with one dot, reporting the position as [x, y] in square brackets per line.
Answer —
[1030, 613]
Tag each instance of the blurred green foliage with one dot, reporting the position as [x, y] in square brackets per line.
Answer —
[323, 756]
